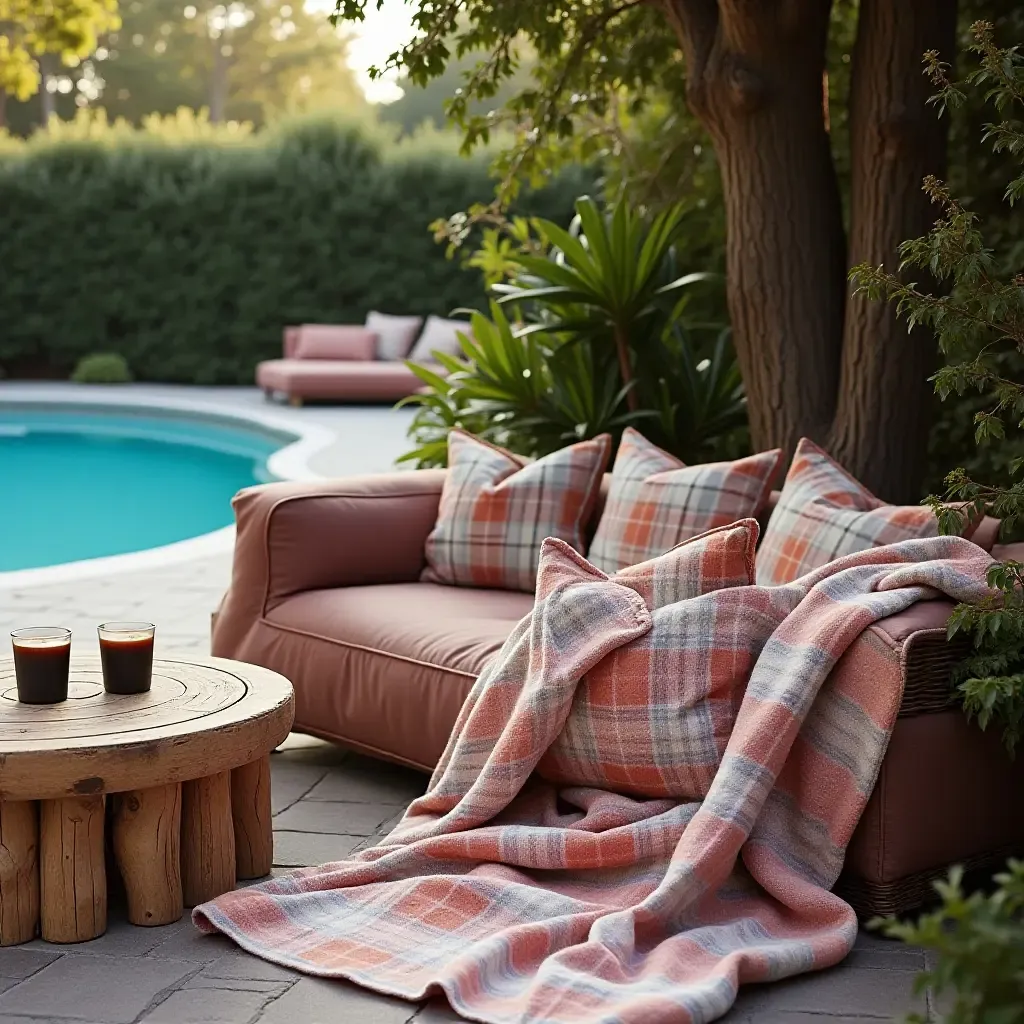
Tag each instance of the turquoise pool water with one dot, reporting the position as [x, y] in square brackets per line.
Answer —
[83, 484]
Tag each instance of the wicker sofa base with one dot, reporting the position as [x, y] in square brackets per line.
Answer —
[948, 793]
[916, 893]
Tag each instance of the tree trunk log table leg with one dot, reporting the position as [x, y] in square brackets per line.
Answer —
[250, 808]
[73, 877]
[147, 841]
[207, 839]
[19, 871]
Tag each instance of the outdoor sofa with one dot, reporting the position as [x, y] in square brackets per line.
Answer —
[366, 363]
[326, 590]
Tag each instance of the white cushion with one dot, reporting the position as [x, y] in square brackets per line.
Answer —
[439, 335]
[395, 334]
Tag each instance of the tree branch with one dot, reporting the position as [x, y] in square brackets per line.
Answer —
[696, 25]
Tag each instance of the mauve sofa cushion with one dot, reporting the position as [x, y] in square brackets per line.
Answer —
[326, 378]
[321, 341]
[986, 534]
[387, 666]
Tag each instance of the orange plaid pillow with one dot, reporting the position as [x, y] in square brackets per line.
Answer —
[824, 513]
[497, 508]
[653, 717]
[655, 501]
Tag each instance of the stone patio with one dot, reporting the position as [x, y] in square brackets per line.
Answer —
[328, 803]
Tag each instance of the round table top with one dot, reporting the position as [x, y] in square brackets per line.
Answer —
[201, 716]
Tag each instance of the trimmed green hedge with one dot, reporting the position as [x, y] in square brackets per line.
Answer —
[189, 258]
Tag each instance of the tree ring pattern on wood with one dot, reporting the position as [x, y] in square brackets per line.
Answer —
[201, 717]
[181, 692]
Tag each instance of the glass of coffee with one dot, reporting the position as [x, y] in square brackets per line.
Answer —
[126, 654]
[42, 662]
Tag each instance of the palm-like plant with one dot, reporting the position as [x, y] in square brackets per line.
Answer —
[602, 336]
[696, 393]
[531, 394]
[607, 282]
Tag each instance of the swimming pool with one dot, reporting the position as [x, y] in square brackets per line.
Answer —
[89, 483]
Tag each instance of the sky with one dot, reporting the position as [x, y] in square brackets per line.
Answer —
[373, 41]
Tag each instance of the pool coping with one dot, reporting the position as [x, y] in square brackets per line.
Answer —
[290, 462]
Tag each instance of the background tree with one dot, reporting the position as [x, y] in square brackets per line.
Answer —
[816, 361]
[427, 103]
[248, 61]
[30, 31]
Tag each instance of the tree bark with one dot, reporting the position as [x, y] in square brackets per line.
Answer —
[882, 421]
[755, 70]
[816, 363]
[219, 81]
[47, 99]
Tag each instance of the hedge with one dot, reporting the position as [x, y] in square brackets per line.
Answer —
[189, 258]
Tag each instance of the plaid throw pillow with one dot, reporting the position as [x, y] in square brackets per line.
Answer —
[655, 501]
[652, 718]
[496, 508]
[824, 513]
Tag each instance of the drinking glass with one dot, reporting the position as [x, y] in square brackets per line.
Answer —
[42, 662]
[126, 654]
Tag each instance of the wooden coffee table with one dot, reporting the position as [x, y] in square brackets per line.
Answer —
[184, 772]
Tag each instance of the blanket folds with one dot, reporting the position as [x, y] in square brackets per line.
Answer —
[527, 901]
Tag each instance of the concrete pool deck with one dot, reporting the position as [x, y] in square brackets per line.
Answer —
[328, 803]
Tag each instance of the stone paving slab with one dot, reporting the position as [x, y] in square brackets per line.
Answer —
[300, 849]
[19, 962]
[343, 819]
[91, 988]
[853, 991]
[378, 784]
[190, 1006]
[322, 1001]
[203, 981]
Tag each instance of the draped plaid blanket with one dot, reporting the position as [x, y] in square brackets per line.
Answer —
[527, 902]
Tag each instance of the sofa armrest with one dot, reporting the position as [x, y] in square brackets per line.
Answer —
[311, 535]
[1009, 552]
[947, 792]
[924, 615]
[926, 659]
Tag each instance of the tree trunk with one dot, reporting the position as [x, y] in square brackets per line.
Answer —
[883, 417]
[47, 99]
[816, 363]
[219, 81]
[755, 72]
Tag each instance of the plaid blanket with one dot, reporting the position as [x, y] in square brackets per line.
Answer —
[527, 902]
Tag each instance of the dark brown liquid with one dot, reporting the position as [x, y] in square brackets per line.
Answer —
[127, 665]
[42, 672]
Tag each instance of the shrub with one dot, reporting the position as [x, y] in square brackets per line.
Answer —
[979, 940]
[602, 340]
[979, 322]
[187, 252]
[102, 368]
